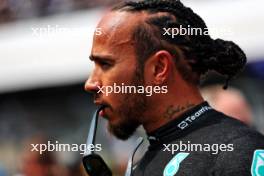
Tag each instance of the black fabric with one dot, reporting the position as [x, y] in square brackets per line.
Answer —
[212, 128]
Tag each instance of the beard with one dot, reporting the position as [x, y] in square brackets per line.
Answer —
[130, 111]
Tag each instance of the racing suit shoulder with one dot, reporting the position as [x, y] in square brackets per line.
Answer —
[215, 145]
[244, 140]
[240, 160]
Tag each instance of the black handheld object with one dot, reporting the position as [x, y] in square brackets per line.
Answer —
[92, 162]
[95, 166]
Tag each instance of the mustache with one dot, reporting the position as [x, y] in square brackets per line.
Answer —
[100, 102]
[96, 96]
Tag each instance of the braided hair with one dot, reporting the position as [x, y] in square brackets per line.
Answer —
[201, 52]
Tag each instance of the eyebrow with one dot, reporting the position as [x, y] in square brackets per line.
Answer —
[101, 58]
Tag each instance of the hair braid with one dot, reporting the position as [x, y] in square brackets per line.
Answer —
[202, 53]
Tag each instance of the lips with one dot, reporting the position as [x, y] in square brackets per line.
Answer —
[102, 105]
[102, 112]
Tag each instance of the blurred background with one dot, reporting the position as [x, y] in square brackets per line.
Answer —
[44, 50]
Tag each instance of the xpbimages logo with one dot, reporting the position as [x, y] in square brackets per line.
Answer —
[190, 31]
[187, 146]
[59, 147]
[126, 89]
[54, 30]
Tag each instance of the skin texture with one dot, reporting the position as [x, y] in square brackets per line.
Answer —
[115, 61]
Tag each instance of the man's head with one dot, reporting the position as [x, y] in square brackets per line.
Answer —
[114, 58]
[134, 50]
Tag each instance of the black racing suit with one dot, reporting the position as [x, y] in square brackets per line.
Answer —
[212, 144]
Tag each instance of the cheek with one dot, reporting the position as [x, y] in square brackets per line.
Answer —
[116, 95]
[121, 74]
[115, 79]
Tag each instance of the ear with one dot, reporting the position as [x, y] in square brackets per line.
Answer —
[158, 67]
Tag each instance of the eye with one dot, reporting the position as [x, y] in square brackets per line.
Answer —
[104, 65]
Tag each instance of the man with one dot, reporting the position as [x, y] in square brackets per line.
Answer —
[187, 137]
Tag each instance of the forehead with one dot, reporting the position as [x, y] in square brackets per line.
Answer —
[116, 32]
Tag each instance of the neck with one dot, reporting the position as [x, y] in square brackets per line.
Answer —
[174, 105]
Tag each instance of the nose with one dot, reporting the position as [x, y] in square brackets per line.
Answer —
[92, 86]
